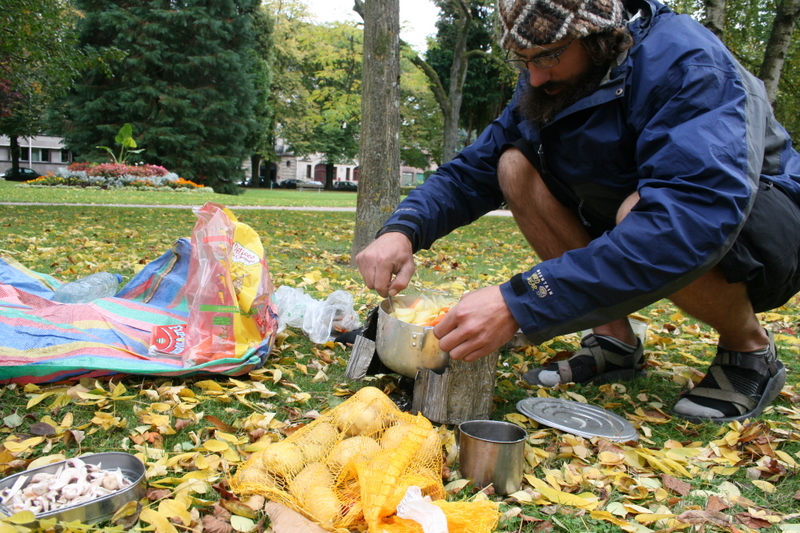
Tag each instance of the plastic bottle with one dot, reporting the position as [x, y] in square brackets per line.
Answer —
[84, 290]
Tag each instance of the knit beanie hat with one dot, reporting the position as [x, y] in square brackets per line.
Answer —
[528, 23]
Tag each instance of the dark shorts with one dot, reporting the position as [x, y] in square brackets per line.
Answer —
[765, 256]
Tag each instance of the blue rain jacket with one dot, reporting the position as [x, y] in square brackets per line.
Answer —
[679, 121]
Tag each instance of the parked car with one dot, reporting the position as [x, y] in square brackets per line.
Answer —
[24, 174]
[345, 185]
[294, 182]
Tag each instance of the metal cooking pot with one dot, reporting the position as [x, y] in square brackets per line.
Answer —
[407, 348]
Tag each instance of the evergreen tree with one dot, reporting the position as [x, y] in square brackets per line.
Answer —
[261, 139]
[186, 84]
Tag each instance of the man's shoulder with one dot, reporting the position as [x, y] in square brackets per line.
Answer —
[678, 32]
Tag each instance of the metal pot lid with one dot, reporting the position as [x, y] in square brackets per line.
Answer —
[578, 418]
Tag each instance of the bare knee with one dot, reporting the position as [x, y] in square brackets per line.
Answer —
[516, 175]
[627, 206]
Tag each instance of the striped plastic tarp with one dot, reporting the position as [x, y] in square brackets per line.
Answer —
[42, 341]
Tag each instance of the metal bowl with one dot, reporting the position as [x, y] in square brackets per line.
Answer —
[407, 348]
[102, 508]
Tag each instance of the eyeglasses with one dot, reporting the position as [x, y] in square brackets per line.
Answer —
[541, 61]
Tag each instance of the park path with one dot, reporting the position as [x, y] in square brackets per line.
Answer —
[499, 212]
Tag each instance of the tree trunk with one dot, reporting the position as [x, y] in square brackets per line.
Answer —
[458, 75]
[786, 15]
[15, 150]
[379, 182]
[255, 167]
[450, 101]
[715, 16]
[329, 172]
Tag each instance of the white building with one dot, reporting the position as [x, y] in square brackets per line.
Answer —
[310, 167]
[45, 154]
[42, 153]
[313, 168]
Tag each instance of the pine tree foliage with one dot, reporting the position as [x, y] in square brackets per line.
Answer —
[261, 137]
[186, 83]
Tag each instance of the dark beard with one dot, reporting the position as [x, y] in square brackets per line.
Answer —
[540, 108]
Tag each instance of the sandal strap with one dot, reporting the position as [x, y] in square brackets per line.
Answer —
[726, 393]
[565, 371]
[762, 362]
[590, 346]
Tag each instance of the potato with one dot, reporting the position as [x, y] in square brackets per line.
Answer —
[283, 458]
[394, 436]
[318, 442]
[368, 394]
[254, 477]
[360, 418]
[431, 446]
[322, 504]
[353, 449]
[313, 474]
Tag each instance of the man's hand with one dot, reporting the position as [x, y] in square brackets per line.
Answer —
[387, 264]
[477, 325]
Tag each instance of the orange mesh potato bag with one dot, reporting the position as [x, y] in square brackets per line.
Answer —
[350, 468]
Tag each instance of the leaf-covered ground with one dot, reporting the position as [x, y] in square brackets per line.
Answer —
[193, 434]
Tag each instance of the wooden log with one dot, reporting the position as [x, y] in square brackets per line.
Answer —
[464, 391]
[360, 358]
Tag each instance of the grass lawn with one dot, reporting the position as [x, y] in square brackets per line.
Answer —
[12, 192]
[677, 476]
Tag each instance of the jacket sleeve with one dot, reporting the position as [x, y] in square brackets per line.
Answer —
[698, 125]
[460, 191]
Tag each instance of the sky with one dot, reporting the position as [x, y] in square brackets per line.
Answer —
[417, 17]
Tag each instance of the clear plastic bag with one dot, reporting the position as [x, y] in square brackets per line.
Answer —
[318, 319]
[334, 315]
[292, 304]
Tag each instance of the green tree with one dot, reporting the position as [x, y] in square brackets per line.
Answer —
[38, 59]
[449, 93]
[763, 35]
[489, 83]
[186, 84]
[421, 118]
[288, 96]
[331, 80]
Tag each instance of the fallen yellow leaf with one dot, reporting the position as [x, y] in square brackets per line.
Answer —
[521, 496]
[22, 517]
[22, 446]
[649, 518]
[765, 486]
[608, 517]
[158, 520]
[214, 445]
[175, 509]
[589, 502]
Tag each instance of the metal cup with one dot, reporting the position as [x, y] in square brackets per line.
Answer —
[492, 453]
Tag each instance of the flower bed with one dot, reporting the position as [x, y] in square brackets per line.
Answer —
[115, 175]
